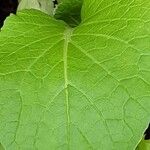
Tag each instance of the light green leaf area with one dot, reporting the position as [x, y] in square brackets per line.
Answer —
[69, 11]
[45, 6]
[1, 147]
[82, 88]
[144, 145]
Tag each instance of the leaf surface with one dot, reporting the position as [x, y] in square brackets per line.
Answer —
[144, 145]
[76, 88]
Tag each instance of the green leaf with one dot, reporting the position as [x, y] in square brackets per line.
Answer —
[69, 11]
[78, 88]
[1, 147]
[144, 145]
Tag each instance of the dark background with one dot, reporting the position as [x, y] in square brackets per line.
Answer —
[7, 7]
[10, 6]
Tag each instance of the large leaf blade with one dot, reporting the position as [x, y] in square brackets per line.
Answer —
[81, 88]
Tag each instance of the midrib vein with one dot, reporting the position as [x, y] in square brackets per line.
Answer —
[67, 36]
